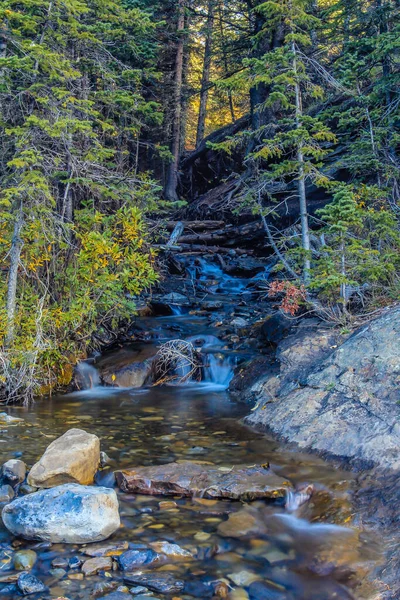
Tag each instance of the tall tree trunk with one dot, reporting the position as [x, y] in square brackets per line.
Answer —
[225, 59]
[170, 190]
[3, 46]
[301, 184]
[205, 79]
[15, 255]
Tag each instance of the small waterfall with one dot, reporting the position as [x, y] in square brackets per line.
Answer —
[176, 309]
[218, 367]
[87, 376]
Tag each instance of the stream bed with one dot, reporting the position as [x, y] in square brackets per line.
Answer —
[265, 552]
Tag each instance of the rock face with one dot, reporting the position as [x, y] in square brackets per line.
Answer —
[192, 479]
[72, 458]
[345, 405]
[70, 513]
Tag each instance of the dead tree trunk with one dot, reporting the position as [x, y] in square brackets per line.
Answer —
[15, 255]
[170, 190]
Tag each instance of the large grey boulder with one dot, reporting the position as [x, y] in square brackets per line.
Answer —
[70, 513]
[72, 458]
[346, 404]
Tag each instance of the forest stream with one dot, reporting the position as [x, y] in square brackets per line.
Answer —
[283, 549]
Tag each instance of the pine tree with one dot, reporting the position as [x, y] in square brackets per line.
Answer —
[71, 110]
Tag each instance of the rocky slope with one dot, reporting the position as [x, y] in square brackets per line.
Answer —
[339, 401]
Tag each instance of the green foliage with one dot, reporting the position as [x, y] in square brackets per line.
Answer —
[72, 109]
[362, 246]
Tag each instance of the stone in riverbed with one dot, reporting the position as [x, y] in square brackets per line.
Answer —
[24, 560]
[94, 565]
[72, 458]
[192, 479]
[132, 376]
[117, 596]
[164, 583]
[172, 551]
[29, 584]
[6, 419]
[70, 513]
[6, 493]
[13, 472]
[239, 524]
[108, 549]
[136, 558]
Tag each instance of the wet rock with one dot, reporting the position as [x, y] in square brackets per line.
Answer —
[75, 562]
[239, 524]
[276, 327]
[238, 594]
[94, 565]
[221, 590]
[347, 405]
[13, 472]
[9, 590]
[136, 558]
[70, 513]
[244, 266]
[58, 573]
[117, 596]
[172, 551]
[102, 587]
[6, 419]
[6, 493]
[175, 299]
[110, 549]
[212, 305]
[134, 375]
[27, 489]
[24, 560]
[59, 563]
[139, 589]
[29, 584]
[73, 457]
[262, 591]
[192, 479]
[239, 322]
[243, 578]
[164, 583]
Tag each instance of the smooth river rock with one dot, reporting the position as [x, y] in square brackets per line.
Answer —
[13, 472]
[70, 513]
[164, 583]
[72, 458]
[192, 479]
[345, 404]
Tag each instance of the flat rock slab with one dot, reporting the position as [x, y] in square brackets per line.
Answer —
[192, 479]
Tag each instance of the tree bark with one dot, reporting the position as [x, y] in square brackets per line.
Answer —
[225, 59]
[15, 255]
[170, 190]
[305, 233]
[205, 79]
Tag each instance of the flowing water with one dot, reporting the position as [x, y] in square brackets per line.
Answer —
[311, 552]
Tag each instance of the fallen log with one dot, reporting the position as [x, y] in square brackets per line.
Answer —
[228, 236]
[194, 225]
[200, 249]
